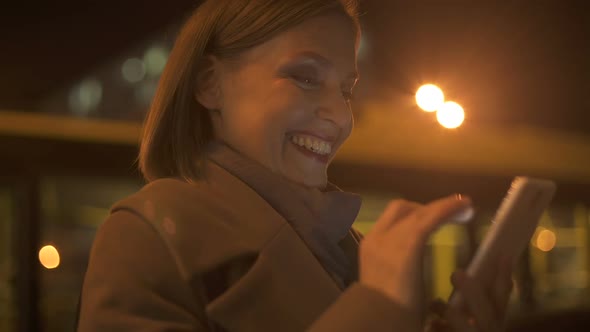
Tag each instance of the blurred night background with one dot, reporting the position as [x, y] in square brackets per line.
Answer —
[76, 78]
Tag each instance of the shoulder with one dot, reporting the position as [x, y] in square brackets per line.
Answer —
[169, 199]
[184, 216]
[203, 223]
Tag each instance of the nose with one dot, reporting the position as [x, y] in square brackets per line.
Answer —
[335, 109]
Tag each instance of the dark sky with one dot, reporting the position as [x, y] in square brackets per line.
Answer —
[507, 62]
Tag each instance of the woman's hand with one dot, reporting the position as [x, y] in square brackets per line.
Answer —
[483, 308]
[480, 308]
[390, 255]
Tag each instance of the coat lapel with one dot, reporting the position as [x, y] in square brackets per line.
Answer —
[286, 287]
[284, 290]
[280, 284]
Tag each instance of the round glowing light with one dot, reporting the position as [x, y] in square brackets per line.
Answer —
[450, 115]
[49, 257]
[155, 60]
[133, 70]
[85, 97]
[546, 240]
[429, 97]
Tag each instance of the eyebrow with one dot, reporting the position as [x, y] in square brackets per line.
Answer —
[323, 61]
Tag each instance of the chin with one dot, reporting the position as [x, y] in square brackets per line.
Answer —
[319, 181]
[311, 180]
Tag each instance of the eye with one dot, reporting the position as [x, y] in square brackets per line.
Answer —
[306, 81]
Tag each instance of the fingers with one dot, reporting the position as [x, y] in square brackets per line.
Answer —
[476, 301]
[459, 321]
[437, 320]
[436, 213]
[488, 311]
[502, 287]
[421, 220]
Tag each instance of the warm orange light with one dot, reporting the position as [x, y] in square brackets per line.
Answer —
[429, 97]
[546, 240]
[450, 115]
[49, 257]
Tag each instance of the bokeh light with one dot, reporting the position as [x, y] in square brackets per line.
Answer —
[429, 97]
[155, 60]
[133, 70]
[450, 115]
[546, 240]
[85, 97]
[49, 257]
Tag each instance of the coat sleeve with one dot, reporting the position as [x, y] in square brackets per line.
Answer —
[133, 284]
[361, 308]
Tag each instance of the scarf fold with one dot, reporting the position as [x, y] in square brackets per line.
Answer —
[321, 218]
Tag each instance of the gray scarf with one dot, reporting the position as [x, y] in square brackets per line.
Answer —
[321, 218]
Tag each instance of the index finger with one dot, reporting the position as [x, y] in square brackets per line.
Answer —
[432, 215]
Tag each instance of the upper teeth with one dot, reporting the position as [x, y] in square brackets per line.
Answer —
[313, 144]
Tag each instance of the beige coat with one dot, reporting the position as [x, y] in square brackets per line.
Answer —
[215, 256]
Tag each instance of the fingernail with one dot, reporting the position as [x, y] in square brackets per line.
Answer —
[464, 215]
[463, 198]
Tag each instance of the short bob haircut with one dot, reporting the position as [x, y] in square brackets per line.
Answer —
[178, 128]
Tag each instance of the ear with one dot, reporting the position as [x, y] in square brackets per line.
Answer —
[208, 83]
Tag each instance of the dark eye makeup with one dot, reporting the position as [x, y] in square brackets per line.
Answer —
[306, 75]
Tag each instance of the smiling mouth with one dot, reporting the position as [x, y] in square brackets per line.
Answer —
[312, 144]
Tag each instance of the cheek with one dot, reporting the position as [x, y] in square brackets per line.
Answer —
[288, 104]
[265, 115]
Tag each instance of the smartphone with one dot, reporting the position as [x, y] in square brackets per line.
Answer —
[511, 229]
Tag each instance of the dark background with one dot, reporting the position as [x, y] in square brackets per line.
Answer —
[506, 62]
[511, 64]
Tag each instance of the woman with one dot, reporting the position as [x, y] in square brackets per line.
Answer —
[239, 229]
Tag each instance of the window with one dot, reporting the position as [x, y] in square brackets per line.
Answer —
[72, 210]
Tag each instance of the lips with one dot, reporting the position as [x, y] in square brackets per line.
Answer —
[313, 144]
[321, 158]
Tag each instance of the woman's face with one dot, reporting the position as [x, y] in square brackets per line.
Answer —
[286, 104]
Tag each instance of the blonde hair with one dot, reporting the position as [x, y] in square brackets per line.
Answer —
[178, 128]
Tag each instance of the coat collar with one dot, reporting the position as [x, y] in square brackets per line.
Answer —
[321, 218]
